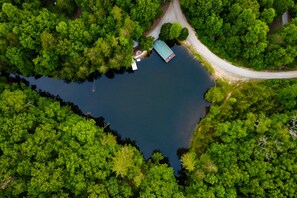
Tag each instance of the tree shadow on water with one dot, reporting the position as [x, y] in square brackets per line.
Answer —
[158, 157]
[182, 172]
[100, 121]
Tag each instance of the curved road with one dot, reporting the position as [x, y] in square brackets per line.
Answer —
[222, 67]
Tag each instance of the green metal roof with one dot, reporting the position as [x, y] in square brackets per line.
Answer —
[163, 50]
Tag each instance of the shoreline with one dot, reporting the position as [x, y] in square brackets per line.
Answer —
[222, 68]
[214, 74]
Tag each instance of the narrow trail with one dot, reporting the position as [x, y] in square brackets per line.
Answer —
[222, 68]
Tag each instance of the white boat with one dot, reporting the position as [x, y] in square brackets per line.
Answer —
[134, 65]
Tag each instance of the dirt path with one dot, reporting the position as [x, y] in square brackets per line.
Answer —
[222, 68]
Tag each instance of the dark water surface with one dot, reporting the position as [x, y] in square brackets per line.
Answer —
[158, 105]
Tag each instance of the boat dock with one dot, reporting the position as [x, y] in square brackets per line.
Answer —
[163, 50]
[134, 65]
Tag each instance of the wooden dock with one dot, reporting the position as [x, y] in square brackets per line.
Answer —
[134, 65]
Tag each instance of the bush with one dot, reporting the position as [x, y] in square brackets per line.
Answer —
[146, 43]
[175, 31]
[165, 31]
[183, 34]
[170, 31]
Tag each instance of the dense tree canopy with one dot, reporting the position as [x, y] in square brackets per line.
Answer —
[71, 39]
[170, 31]
[246, 146]
[146, 43]
[48, 151]
[242, 30]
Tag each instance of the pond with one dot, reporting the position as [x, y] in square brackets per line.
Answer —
[158, 105]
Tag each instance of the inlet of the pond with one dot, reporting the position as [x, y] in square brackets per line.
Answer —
[158, 105]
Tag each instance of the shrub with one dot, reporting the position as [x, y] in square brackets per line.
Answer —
[183, 34]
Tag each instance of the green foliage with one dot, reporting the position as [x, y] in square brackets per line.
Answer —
[48, 151]
[175, 31]
[238, 31]
[122, 161]
[268, 15]
[144, 11]
[164, 32]
[170, 31]
[188, 161]
[72, 39]
[183, 34]
[288, 97]
[160, 182]
[245, 146]
[248, 148]
[282, 6]
[146, 43]
[215, 95]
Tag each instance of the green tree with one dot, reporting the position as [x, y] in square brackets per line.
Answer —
[61, 39]
[47, 40]
[214, 24]
[281, 6]
[146, 43]
[122, 161]
[164, 32]
[188, 161]
[240, 151]
[66, 7]
[170, 31]
[215, 95]
[160, 182]
[175, 30]
[183, 34]
[238, 31]
[267, 15]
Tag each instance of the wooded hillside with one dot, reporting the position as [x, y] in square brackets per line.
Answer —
[247, 145]
[72, 39]
[247, 32]
[48, 151]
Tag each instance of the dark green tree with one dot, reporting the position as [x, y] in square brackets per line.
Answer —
[146, 43]
[164, 32]
[183, 34]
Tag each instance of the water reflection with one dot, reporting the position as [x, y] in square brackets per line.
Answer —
[158, 105]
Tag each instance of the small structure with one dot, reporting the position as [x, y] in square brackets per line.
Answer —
[135, 43]
[285, 18]
[163, 50]
[134, 65]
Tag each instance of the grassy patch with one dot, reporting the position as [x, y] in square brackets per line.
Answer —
[204, 62]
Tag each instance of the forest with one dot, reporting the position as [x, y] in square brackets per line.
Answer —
[247, 144]
[247, 32]
[72, 39]
[245, 147]
[48, 151]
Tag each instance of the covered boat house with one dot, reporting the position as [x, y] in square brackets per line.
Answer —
[163, 50]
